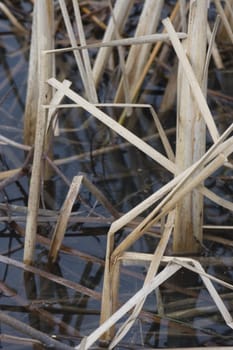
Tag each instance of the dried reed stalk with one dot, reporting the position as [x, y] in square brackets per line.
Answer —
[120, 13]
[62, 221]
[152, 271]
[50, 276]
[42, 39]
[138, 55]
[37, 336]
[145, 39]
[85, 54]
[154, 53]
[52, 122]
[174, 264]
[226, 23]
[112, 124]
[166, 205]
[138, 210]
[191, 133]
[18, 26]
[178, 188]
[215, 52]
[140, 295]
[86, 75]
[195, 87]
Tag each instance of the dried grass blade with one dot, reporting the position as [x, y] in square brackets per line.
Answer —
[57, 98]
[188, 263]
[63, 218]
[6, 141]
[73, 42]
[212, 49]
[195, 87]
[225, 21]
[215, 296]
[138, 55]
[215, 198]
[121, 54]
[118, 224]
[86, 58]
[57, 279]
[215, 52]
[207, 281]
[112, 124]
[183, 15]
[100, 197]
[146, 39]
[163, 136]
[152, 271]
[167, 272]
[43, 338]
[166, 205]
[153, 55]
[120, 13]
[13, 19]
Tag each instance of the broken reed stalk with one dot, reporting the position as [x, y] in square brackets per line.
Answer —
[178, 187]
[191, 132]
[151, 273]
[41, 92]
[112, 124]
[62, 221]
[174, 264]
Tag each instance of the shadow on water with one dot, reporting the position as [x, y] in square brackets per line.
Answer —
[178, 314]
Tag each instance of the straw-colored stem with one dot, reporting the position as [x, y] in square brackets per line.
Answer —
[62, 221]
[18, 26]
[112, 124]
[140, 295]
[43, 17]
[42, 38]
[166, 205]
[85, 54]
[35, 182]
[152, 271]
[226, 23]
[120, 13]
[191, 139]
[138, 55]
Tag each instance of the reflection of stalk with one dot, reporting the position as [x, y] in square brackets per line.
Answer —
[10, 72]
[32, 332]
[90, 280]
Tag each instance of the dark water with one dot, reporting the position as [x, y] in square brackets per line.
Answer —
[182, 313]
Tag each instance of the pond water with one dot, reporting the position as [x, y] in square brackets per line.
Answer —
[181, 313]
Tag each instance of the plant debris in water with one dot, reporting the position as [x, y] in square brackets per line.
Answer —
[97, 176]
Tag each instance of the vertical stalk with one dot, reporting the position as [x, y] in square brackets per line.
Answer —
[138, 54]
[44, 38]
[191, 133]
